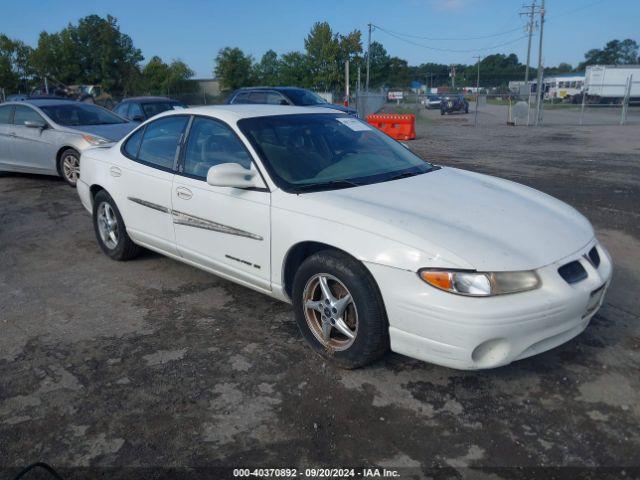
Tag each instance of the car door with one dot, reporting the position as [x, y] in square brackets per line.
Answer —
[225, 229]
[33, 149]
[143, 179]
[6, 137]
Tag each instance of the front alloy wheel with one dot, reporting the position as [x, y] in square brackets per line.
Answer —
[330, 312]
[70, 166]
[339, 309]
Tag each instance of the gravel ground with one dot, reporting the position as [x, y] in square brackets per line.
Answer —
[153, 363]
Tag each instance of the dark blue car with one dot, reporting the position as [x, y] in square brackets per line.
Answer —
[284, 96]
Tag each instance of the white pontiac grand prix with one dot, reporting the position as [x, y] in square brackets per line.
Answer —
[374, 247]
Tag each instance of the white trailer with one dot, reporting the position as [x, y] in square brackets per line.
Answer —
[611, 82]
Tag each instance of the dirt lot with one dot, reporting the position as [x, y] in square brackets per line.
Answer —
[154, 363]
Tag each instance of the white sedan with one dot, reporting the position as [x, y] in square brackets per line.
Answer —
[375, 248]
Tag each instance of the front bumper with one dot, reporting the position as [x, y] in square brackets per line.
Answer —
[474, 332]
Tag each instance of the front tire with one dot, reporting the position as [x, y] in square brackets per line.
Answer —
[110, 230]
[339, 310]
[69, 166]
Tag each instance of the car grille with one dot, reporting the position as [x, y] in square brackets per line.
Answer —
[573, 272]
[594, 256]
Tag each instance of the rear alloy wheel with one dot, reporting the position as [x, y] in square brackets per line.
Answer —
[339, 310]
[110, 230]
[69, 166]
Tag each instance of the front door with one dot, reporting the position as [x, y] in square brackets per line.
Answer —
[6, 137]
[222, 228]
[33, 148]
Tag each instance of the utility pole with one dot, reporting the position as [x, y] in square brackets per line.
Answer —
[475, 120]
[368, 58]
[530, 28]
[539, 86]
[346, 83]
[453, 77]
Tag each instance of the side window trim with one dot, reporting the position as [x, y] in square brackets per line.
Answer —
[180, 167]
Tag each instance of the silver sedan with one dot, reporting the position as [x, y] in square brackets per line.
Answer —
[47, 136]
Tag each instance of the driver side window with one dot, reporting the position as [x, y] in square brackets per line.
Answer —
[212, 143]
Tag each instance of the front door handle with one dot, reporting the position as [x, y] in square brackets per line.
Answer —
[184, 193]
[115, 171]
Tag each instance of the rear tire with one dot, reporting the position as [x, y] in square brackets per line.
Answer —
[69, 166]
[110, 229]
[361, 310]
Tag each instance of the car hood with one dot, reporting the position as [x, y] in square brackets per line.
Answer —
[471, 220]
[112, 132]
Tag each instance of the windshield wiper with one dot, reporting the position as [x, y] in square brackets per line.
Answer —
[333, 184]
[405, 175]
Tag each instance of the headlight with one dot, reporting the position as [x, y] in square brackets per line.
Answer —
[480, 284]
[93, 140]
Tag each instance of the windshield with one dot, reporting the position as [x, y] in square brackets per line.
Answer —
[305, 97]
[324, 151]
[72, 115]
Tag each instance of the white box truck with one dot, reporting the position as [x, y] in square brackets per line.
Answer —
[609, 83]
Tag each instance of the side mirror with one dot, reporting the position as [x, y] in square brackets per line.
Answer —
[284, 102]
[233, 175]
[35, 124]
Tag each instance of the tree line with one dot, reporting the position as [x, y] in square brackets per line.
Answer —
[92, 52]
[95, 51]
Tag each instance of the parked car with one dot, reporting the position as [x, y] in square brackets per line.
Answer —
[453, 103]
[139, 109]
[374, 247]
[284, 96]
[432, 101]
[47, 136]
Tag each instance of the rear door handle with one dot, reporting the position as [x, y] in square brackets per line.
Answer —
[184, 193]
[115, 171]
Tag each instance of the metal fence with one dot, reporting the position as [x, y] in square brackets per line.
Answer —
[369, 102]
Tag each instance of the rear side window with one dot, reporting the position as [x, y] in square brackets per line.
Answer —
[121, 109]
[242, 97]
[160, 141]
[5, 113]
[136, 111]
[25, 114]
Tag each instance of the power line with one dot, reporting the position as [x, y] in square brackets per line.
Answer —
[499, 34]
[452, 50]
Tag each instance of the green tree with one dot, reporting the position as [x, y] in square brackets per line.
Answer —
[267, 72]
[379, 65]
[233, 68]
[615, 52]
[323, 51]
[294, 70]
[15, 66]
[94, 51]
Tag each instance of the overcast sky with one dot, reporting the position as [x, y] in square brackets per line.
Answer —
[194, 30]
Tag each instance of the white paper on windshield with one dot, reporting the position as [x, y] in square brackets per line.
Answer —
[353, 124]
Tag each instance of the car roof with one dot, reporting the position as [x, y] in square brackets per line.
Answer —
[46, 102]
[237, 112]
[277, 89]
[148, 99]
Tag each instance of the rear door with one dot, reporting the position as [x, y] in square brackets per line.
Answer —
[6, 134]
[143, 179]
[34, 149]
